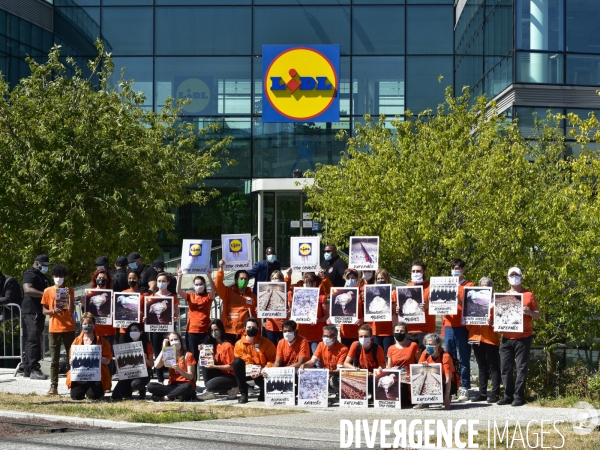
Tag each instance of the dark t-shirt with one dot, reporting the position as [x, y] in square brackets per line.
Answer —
[148, 274]
[32, 305]
[120, 280]
[334, 270]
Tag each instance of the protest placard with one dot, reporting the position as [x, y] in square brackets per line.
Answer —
[169, 356]
[206, 355]
[354, 388]
[386, 389]
[313, 390]
[443, 296]
[279, 386]
[508, 313]
[130, 360]
[364, 252]
[426, 383]
[476, 305]
[409, 300]
[304, 305]
[378, 302]
[98, 302]
[305, 253]
[344, 305]
[159, 314]
[237, 251]
[195, 256]
[86, 361]
[126, 309]
[272, 300]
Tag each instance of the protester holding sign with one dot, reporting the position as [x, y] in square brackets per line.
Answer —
[416, 332]
[515, 347]
[101, 279]
[181, 375]
[58, 302]
[219, 376]
[365, 354]
[125, 388]
[433, 354]
[292, 350]
[272, 327]
[401, 355]
[93, 390]
[199, 303]
[133, 281]
[383, 333]
[334, 266]
[349, 332]
[312, 331]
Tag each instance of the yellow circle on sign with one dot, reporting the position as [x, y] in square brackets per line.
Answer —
[197, 91]
[305, 249]
[235, 245]
[195, 250]
[301, 104]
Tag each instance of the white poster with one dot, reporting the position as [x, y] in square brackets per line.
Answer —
[126, 309]
[386, 389]
[305, 253]
[130, 360]
[195, 256]
[86, 361]
[476, 305]
[169, 356]
[98, 302]
[354, 388]
[378, 303]
[272, 300]
[443, 296]
[237, 251]
[344, 305]
[426, 383]
[304, 305]
[206, 355]
[508, 313]
[159, 314]
[279, 386]
[364, 252]
[408, 304]
[313, 388]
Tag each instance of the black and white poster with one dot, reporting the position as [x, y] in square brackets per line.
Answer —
[159, 314]
[443, 296]
[386, 388]
[378, 303]
[279, 386]
[344, 305]
[313, 388]
[126, 307]
[130, 360]
[86, 361]
[476, 305]
[409, 300]
[426, 383]
[354, 388]
[98, 302]
[508, 313]
[272, 300]
[305, 304]
[364, 252]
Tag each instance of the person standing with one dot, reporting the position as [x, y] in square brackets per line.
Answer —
[120, 275]
[58, 302]
[147, 273]
[262, 270]
[34, 284]
[418, 331]
[10, 291]
[334, 266]
[159, 266]
[515, 347]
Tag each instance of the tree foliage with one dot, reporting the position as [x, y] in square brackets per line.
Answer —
[86, 171]
[465, 183]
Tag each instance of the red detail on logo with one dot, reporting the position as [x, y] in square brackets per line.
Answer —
[293, 84]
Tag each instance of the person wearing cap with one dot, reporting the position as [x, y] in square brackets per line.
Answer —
[334, 266]
[159, 266]
[147, 273]
[515, 347]
[34, 284]
[119, 276]
[102, 263]
[262, 270]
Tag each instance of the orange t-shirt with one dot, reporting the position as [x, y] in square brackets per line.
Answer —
[264, 357]
[455, 319]
[124, 330]
[330, 358]
[198, 312]
[350, 331]
[530, 301]
[63, 321]
[446, 360]
[106, 353]
[289, 354]
[235, 305]
[429, 325]
[183, 363]
[403, 357]
[224, 355]
[313, 333]
[366, 360]
[385, 328]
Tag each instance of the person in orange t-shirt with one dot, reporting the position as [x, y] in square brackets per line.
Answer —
[371, 356]
[515, 347]
[486, 346]
[349, 332]
[101, 279]
[401, 355]
[313, 332]
[199, 303]
[133, 280]
[383, 333]
[418, 331]
[272, 327]
[181, 375]
[58, 302]
[292, 350]
[219, 377]
[434, 354]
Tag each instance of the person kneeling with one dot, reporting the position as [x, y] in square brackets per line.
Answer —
[432, 354]
[181, 375]
[365, 354]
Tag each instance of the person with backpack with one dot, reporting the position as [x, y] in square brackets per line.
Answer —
[365, 354]
[434, 354]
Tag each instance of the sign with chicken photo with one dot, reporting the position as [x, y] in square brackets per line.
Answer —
[408, 306]
[386, 388]
[344, 305]
[378, 303]
[508, 313]
[158, 314]
[98, 302]
[476, 305]
[126, 309]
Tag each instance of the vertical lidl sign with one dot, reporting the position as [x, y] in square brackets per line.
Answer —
[300, 83]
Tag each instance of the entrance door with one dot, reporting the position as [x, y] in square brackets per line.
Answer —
[289, 223]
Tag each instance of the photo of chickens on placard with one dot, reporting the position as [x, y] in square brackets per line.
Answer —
[387, 389]
[98, 302]
[344, 307]
[158, 314]
[126, 307]
[476, 305]
[354, 387]
[426, 383]
[305, 304]
[508, 312]
[364, 252]
[313, 388]
[378, 303]
[443, 296]
[409, 300]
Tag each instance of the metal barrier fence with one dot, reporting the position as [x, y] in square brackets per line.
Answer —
[11, 331]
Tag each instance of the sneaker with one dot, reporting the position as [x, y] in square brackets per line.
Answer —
[518, 402]
[421, 406]
[157, 398]
[243, 398]
[207, 395]
[26, 374]
[493, 399]
[38, 375]
[53, 390]
[505, 401]
[142, 394]
[479, 398]
[463, 395]
[115, 377]
[233, 393]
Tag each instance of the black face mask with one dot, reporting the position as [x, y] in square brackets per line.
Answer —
[132, 283]
[252, 332]
[101, 282]
[400, 336]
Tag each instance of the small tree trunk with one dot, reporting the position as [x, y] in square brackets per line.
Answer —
[550, 368]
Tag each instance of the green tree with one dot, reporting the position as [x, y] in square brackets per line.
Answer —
[86, 171]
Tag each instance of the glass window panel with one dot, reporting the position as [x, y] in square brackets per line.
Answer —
[424, 90]
[540, 24]
[12, 26]
[25, 32]
[302, 2]
[582, 26]
[302, 25]
[527, 117]
[498, 79]
[381, 2]
[176, 26]
[429, 30]
[215, 85]
[378, 30]
[127, 2]
[138, 69]
[77, 2]
[203, 2]
[378, 85]
[128, 31]
[280, 148]
[421, 2]
[583, 70]
[94, 14]
[544, 68]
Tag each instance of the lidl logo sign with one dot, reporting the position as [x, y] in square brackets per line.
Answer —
[301, 83]
[198, 91]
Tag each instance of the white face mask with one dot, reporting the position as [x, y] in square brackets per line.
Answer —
[289, 336]
[199, 289]
[135, 335]
[59, 281]
[271, 258]
[176, 344]
[327, 341]
[161, 286]
[350, 282]
[416, 277]
[364, 341]
[367, 275]
[515, 280]
[456, 272]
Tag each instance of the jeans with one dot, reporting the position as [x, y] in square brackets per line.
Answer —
[457, 338]
[488, 360]
[239, 370]
[112, 367]
[384, 342]
[179, 389]
[55, 339]
[511, 351]
[92, 389]
[216, 380]
[34, 325]
[313, 348]
[126, 388]
[156, 341]
[273, 336]
[193, 340]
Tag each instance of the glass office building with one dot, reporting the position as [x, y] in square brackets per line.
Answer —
[392, 53]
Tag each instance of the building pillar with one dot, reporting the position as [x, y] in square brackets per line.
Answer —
[539, 31]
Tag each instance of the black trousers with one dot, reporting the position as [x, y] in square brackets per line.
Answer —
[514, 354]
[239, 370]
[90, 389]
[216, 380]
[193, 340]
[34, 327]
[156, 341]
[488, 360]
[173, 390]
[126, 388]
[418, 339]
